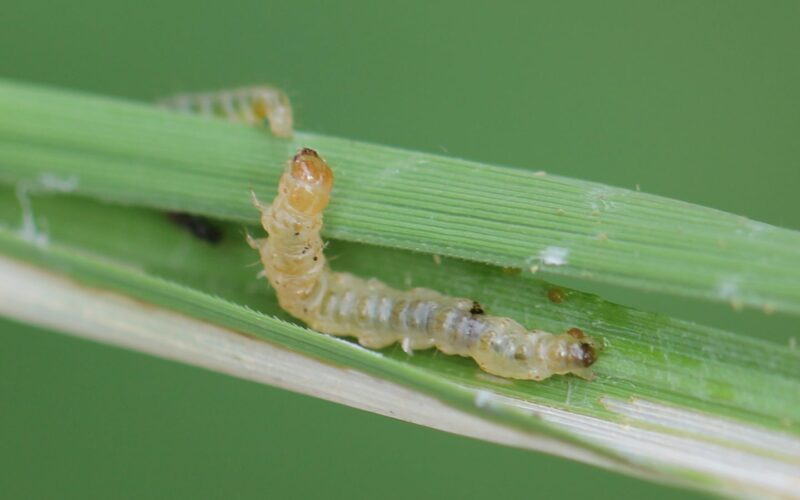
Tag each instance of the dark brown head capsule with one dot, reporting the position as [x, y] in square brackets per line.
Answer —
[588, 354]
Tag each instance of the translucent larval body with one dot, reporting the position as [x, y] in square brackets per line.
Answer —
[251, 105]
[377, 315]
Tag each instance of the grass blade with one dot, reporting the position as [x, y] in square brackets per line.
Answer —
[136, 154]
[673, 401]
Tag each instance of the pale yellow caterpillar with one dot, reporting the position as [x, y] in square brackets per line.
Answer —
[344, 305]
[247, 104]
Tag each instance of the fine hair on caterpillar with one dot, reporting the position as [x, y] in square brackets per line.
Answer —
[342, 304]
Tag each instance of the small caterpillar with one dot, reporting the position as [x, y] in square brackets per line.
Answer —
[247, 104]
[344, 305]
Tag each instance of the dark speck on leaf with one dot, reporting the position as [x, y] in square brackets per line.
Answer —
[200, 227]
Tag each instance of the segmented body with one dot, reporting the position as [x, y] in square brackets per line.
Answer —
[247, 104]
[345, 305]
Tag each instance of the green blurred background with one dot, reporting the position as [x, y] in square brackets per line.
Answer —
[692, 100]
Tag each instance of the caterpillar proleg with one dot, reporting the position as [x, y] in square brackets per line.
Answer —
[342, 304]
[247, 104]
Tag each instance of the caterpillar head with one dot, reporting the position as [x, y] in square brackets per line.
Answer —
[308, 182]
[582, 353]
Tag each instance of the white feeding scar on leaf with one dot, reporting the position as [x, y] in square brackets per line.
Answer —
[554, 256]
[28, 230]
[483, 398]
[728, 288]
[53, 182]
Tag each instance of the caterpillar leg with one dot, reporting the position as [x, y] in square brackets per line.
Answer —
[256, 203]
[375, 342]
[255, 243]
[251, 105]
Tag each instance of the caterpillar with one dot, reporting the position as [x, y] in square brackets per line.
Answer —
[341, 304]
[250, 105]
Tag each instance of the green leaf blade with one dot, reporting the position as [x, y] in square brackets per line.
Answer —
[140, 155]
